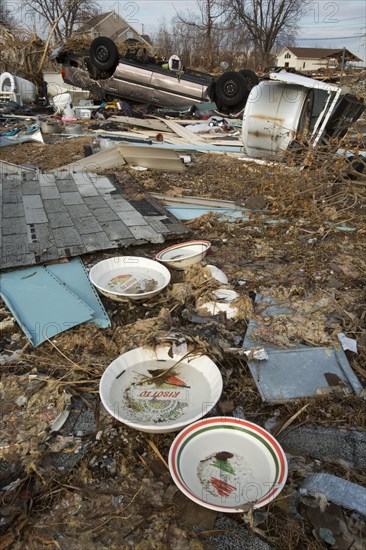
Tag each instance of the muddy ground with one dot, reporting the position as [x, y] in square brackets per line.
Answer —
[98, 484]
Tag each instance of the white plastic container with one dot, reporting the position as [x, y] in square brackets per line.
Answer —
[61, 102]
[24, 91]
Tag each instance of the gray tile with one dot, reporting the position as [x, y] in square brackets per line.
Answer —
[66, 186]
[32, 201]
[95, 202]
[132, 218]
[88, 191]
[119, 204]
[35, 215]
[46, 180]
[50, 192]
[66, 237]
[59, 219]
[14, 226]
[13, 211]
[31, 188]
[87, 225]
[54, 205]
[116, 231]
[40, 233]
[82, 178]
[77, 211]
[105, 215]
[12, 196]
[72, 198]
[157, 224]
[98, 241]
[146, 233]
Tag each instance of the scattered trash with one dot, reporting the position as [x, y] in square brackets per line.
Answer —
[337, 490]
[347, 343]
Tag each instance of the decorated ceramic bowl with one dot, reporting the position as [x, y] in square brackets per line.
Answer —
[227, 464]
[183, 255]
[126, 278]
[153, 390]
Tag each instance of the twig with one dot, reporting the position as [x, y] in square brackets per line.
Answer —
[158, 453]
[164, 373]
[291, 419]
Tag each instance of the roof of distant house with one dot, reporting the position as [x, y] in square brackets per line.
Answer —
[94, 21]
[320, 53]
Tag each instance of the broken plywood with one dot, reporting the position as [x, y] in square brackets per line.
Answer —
[156, 158]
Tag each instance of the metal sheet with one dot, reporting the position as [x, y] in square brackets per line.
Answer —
[41, 304]
[300, 372]
[74, 276]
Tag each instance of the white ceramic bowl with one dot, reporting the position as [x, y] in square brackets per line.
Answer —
[126, 278]
[227, 464]
[187, 393]
[183, 255]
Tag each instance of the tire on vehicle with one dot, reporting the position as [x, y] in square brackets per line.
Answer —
[251, 78]
[230, 89]
[103, 53]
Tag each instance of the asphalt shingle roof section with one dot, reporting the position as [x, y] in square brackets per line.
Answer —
[45, 217]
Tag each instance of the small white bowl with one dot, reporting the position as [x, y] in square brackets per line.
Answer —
[228, 464]
[188, 392]
[126, 278]
[183, 255]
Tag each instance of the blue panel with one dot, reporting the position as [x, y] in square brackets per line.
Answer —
[41, 304]
[74, 276]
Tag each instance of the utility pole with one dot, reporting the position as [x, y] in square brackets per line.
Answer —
[343, 61]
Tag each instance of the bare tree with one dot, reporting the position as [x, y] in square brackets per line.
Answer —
[6, 17]
[67, 14]
[267, 21]
[206, 27]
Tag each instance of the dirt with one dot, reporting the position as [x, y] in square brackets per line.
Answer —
[120, 493]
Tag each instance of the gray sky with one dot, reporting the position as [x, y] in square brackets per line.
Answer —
[326, 23]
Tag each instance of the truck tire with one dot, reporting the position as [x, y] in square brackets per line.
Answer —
[103, 53]
[251, 78]
[231, 89]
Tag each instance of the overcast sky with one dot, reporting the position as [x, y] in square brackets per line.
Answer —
[325, 24]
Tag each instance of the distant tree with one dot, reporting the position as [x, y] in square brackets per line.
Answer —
[64, 15]
[206, 26]
[6, 18]
[266, 21]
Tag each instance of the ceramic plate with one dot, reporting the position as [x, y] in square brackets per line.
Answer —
[135, 390]
[227, 464]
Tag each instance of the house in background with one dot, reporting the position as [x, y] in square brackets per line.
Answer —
[114, 26]
[312, 59]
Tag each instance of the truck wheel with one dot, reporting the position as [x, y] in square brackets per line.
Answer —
[103, 53]
[251, 78]
[231, 89]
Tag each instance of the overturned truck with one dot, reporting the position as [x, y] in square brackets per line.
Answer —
[136, 76]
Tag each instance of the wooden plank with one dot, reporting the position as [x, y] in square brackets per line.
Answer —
[149, 123]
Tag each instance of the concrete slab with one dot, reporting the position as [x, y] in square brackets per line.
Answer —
[235, 536]
[327, 444]
[49, 216]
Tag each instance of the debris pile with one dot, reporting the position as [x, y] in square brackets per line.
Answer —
[245, 334]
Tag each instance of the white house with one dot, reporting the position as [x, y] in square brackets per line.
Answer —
[312, 59]
[114, 26]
